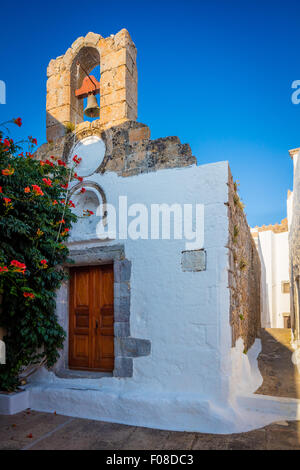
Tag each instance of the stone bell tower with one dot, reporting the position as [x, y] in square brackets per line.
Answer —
[126, 147]
[116, 56]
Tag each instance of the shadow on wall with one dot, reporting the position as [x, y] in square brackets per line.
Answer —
[265, 312]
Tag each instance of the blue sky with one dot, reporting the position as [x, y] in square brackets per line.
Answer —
[216, 73]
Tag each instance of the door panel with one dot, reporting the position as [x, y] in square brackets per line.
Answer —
[104, 315]
[91, 323]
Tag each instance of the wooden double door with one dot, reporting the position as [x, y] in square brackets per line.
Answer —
[91, 318]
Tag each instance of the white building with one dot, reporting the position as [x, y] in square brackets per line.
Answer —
[273, 247]
[160, 333]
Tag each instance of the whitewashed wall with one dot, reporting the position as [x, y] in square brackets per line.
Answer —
[180, 312]
[273, 250]
[190, 379]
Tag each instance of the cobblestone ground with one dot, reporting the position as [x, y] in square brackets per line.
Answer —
[281, 377]
[44, 431]
[32, 430]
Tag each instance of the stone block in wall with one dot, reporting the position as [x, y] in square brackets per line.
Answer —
[51, 101]
[114, 60]
[132, 347]
[112, 98]
[138, 134]
[58, 80]
[55, 132]
[122, 309]
[121, 289]
[64, 95]
[121, 329]
[194, 260]
[123, 367]
[114, 112]
[116, 79]
[131, 112]
[58, 115]
[92, 39]
[55, 66]
[69, 55]
[122, 270]
[106, 46]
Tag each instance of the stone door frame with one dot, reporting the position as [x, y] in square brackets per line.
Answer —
[126, 347]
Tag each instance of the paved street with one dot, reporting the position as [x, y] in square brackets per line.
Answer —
[37, 431]
[280, 376]
[41, 431]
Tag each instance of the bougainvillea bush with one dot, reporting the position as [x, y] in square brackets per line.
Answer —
[35, 219]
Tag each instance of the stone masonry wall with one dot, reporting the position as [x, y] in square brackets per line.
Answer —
[244, 273]
[129, 149]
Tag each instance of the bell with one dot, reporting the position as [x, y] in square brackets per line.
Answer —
[92, 109]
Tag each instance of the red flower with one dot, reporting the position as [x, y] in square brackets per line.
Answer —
[20, 267]
[79, 178]
[31, 296]
[47, 181]
[54, 202]
[8, 171]
[18, 121]
[7, 201]
[86, 212]
[43, 261]
[71, 203]
[61, 163]
[64, 186]
[32, 140]
[3, 269]
[7, 144]
[27, 190]
[76, 160]
[1, 191]
[49, 163]
[61, 221]
[83, 190]
[37, 190]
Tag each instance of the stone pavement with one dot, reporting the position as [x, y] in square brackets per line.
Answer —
[40, 431]
[281, 377]
[47, 431]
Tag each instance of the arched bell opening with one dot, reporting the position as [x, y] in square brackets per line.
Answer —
[88, 103]
[85, 78]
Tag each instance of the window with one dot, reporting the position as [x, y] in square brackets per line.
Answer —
[285, 287]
